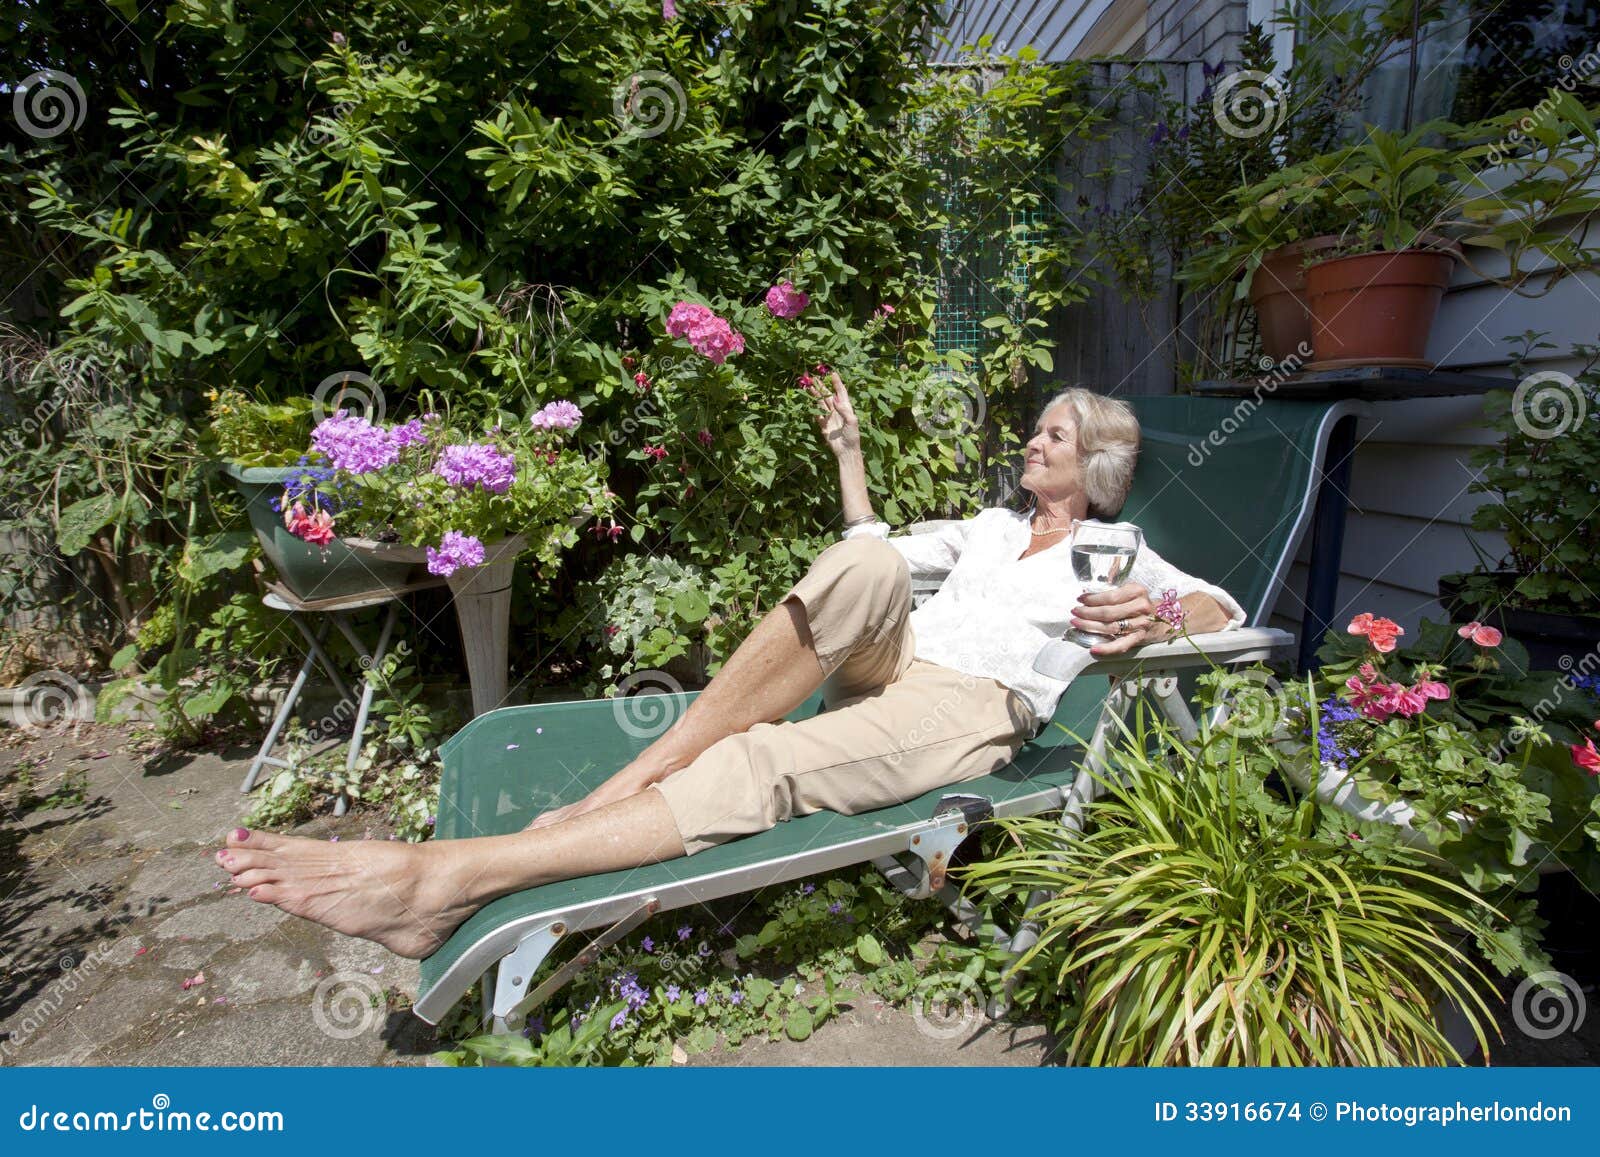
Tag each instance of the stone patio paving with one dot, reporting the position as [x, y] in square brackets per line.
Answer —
[108, 907]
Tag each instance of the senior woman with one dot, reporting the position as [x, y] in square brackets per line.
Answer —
[917, 699]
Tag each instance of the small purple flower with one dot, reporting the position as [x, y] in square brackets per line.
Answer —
[411, 434]
[736, 998]
[354, 444]
[807, 889]
[685, 932]
[455, 551]
[647, 944]
[673, 992]
[562, 415]
[701, 996]
[477, 465]
[620, 1019]
[835, 908]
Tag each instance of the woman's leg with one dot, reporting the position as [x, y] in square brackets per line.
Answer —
[860, 588]
[410, 897]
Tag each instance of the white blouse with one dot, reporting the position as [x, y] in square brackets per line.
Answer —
[994, 610]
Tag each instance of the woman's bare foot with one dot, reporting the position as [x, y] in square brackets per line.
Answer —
[407, 897]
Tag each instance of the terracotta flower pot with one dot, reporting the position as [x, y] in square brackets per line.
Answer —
[1278, 293]
[1377, 308]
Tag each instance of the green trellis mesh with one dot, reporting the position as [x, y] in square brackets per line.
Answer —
[976, 278]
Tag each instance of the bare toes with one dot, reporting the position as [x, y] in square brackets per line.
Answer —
[257, 841]
[253, 877]
[267, 894]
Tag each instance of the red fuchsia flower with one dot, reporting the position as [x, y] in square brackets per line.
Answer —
[627, 362]
[611, 629]
[821, 369]
[804, 381]
[785, 301]
[1381, 633]
[1481, 634]
[705, 438]
[1586, 756]
[656, 452]
[641, 379]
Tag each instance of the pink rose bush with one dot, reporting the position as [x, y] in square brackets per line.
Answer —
[711, 336]
[425, 483]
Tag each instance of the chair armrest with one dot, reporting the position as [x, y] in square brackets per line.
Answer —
[1060, 659]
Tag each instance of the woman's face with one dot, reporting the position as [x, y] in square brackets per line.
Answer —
[1050, 458]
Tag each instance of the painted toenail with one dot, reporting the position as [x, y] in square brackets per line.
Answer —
[241, 834]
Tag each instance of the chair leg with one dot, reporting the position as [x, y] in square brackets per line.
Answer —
[371, 661]
[291, 697]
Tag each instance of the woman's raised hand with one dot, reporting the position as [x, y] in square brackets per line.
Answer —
[837, 417]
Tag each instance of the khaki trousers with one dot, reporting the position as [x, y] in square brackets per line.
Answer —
[894, 727]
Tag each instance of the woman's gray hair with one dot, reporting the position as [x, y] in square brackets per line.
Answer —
[1108, 447]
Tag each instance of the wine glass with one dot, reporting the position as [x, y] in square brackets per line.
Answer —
[1102, 557]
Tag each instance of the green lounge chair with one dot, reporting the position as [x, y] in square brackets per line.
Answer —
[1236, 520]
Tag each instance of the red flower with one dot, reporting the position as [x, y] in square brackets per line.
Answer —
[656, 452]
[1586, 756]
[1381, 633]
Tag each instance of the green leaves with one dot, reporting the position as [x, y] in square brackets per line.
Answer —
[84, 519]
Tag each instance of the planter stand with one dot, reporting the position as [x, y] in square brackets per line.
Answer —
[337, 612]
[482, 595]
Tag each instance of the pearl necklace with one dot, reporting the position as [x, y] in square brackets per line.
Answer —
[1057, 530]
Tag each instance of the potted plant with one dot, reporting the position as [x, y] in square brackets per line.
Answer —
[462, 504]
[1455, 744]
[1414, 209]
[1543, 477]
[262, 449]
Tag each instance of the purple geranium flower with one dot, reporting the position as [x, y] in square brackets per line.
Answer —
[477, 464]
[562, 415]
[354, 444]
[456, 551]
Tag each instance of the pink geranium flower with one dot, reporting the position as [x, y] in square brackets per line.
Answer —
[785, 301]
[1481, 634]
[1586, 756]
[1380, 632]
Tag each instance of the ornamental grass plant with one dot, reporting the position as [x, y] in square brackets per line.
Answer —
[1203, 919]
